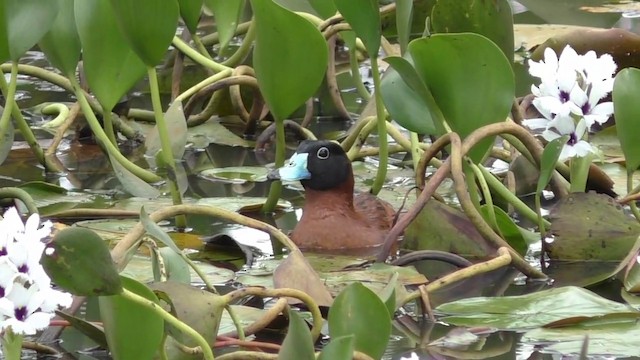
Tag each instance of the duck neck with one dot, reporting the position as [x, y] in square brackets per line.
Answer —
[340, 196]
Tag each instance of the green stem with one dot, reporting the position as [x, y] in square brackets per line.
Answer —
[241, 53]
[486, 194]
[383, 158]
[202, 84]
[17, 193]
[102, 138]
[355, 74]
[276, 187]
[12, 109]
[632, 204]
[415, 149]
[200, 46]
[518, 205]
[165, 143]
[12, 345]
[108, 126]
[194, 55]
[541, 225]
[182, 327]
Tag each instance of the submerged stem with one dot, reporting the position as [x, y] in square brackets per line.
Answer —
[383, 158]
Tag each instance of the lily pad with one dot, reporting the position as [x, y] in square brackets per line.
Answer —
[590, 226]
[237, 174]
[531, 310]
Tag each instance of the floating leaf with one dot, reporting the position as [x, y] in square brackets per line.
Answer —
[298, 344]
[590, 226]
[237, 174]
[61, 44]
[358, 311]
[109, 64]
[290, 57]
[471, 81]
[150, 35]
[78, 260]
[528, 311]
[627, 112]
[125, 320]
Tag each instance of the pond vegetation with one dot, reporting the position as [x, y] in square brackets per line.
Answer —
[156, 186]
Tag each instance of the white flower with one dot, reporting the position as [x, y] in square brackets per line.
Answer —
[563, 124]
[21, 308]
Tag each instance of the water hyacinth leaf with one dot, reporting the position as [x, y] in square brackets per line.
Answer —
[78, 261]
[590, 226]
[156, 231]
[201, 310]
[324, 8]
[353, 312]
[177, 127]
[298, 344]
[388, 294]
[227, 15]
[61, 44]
[176, 268]
[87, 328]
[6, 139]
[290, 57]
[549, 159]
[125, 320]
[408, 100]
[404, 12]
[627, 113]
[529, 311]
[109, 64]
[22, 25]
[131, 183]
[190, 13]
[492, 19]
[632, 278]
[471, 81]
[148, 26]
[508, 229]
[338, 348]
[364, 18]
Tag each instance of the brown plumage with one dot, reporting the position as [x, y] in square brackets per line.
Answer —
[333, 219]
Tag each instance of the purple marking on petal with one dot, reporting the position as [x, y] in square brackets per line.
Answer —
[23, 269]
[3, 251]
[586, 108]
[21, 313]
[564, 96]
[2, 291]
[573, 139]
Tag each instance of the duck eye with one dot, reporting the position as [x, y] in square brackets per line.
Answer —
[323, 153]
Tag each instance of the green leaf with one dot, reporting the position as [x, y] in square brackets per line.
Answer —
[324, 8]
[364, 18]
[22, 25]
[78, 260]
[290, 57]
[492, 19]
[87, 328]
[627, 113]
[156, 231]
[61, 44]
[131, 183]
[509, 230]
[338, 348]
[408, 100]
[471, 81]
[549, 159]
[388, 294]
[190, 12]
[358, 311]
[148, 26]
[177, 127]
[126, 320]
[109, 64]
[529, 311]
[298, 344]
[227, 15]
[404, 10]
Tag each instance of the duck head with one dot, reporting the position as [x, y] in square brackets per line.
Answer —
[318, 164]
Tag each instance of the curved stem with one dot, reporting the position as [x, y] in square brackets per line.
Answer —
[383, 158]
[100, 135]
[182, 327]
[241, 53]
[276, 187]
[194, 55]
[204, 83]
[20, 194]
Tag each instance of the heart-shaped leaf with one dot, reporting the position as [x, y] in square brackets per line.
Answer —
[22, 25]
[61, 44]
[227, 15]
[364, 18]
[298, 344]
[190, 11]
